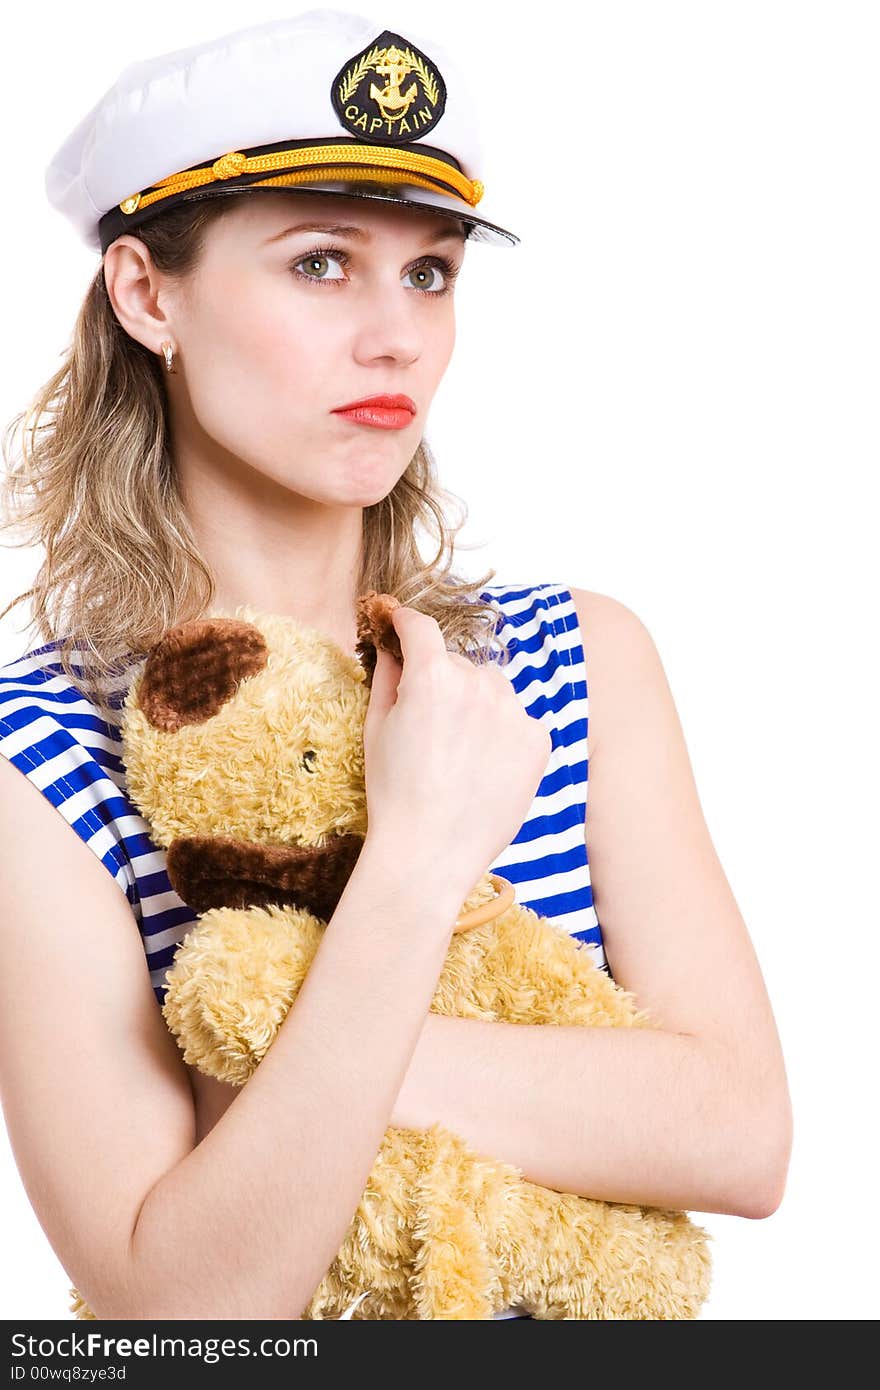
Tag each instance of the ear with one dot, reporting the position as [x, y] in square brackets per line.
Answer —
[196, 668]
[375, 629]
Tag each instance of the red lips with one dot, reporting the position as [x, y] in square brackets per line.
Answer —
[381, 403]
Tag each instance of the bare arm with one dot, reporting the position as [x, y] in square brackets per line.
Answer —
[642, 1115]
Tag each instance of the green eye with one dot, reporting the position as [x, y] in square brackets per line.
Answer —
[309, 759]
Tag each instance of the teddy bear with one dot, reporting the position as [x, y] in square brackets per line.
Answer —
[243, 749]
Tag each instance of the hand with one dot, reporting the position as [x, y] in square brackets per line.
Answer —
[452, 759]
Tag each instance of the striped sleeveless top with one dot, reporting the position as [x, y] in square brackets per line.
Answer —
[54, 734]
[547, 861]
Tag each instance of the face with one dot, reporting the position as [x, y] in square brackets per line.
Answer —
[283, 322]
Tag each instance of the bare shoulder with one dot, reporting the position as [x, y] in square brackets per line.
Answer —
[621, 659]
[603, 609]
[638, 756]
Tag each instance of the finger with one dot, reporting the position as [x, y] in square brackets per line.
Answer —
[420, 635]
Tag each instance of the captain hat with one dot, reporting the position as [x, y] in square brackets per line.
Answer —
[325, 101]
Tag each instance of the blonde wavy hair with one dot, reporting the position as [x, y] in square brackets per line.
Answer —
[94, 482]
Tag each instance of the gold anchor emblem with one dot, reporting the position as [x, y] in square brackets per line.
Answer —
[406, 103]
[391, 101]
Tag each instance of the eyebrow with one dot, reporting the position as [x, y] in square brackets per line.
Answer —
[357, 232]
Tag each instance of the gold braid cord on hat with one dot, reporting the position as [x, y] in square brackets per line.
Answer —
[313, 162]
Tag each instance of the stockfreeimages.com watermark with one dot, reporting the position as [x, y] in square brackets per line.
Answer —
[207, 1349]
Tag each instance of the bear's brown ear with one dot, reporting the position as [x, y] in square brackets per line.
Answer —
[196, 667]
[375, 629]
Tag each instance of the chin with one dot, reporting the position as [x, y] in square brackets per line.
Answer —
[369, 480]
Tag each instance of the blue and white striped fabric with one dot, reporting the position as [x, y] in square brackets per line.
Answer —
[547, 861]
[54, 734]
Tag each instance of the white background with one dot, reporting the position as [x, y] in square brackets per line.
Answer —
[667, 393]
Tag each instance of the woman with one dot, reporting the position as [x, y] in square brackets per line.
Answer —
[202, 456]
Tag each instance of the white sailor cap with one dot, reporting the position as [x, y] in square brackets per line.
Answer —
[325, 101]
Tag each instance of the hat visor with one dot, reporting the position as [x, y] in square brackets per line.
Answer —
[404, 194]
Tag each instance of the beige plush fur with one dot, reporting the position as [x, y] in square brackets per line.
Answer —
[253, 787]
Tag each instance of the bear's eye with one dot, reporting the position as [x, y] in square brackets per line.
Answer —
[308, 760]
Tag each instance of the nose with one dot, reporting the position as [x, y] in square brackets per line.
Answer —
[388, 325]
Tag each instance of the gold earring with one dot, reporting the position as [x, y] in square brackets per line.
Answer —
[169, 356]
